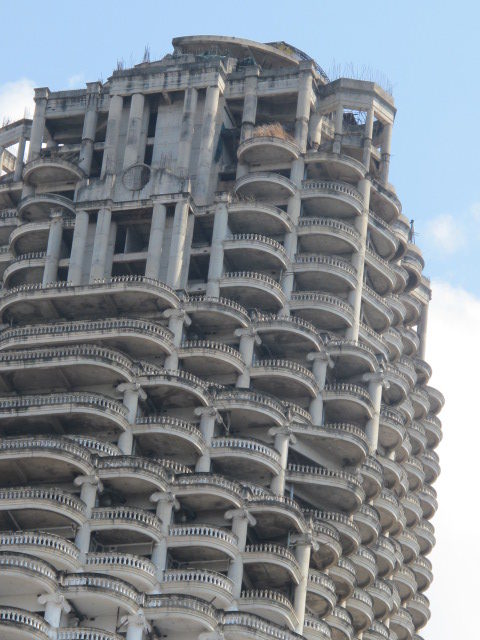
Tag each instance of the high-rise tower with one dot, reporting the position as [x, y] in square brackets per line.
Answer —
[215, 416]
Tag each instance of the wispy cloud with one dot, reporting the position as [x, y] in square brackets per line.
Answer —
[447, 233]
[16, 99]
[76, 81]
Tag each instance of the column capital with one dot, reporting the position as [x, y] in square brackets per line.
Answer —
[305, 540]
[55, 598]
[250, 332]
[241, 514]
[208, 411]
[92, 480]
[42, 93]
[177, 314]
[136, 619]
[56, 214]
[285, 430]
[378, 377]
[135, 387]
[322, 355]
[166, 498]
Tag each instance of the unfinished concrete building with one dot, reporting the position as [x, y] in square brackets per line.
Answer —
[215, 416]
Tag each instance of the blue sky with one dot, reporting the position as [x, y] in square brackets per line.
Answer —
[430, 53]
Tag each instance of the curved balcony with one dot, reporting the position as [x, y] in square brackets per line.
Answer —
[368, 523]
[351, 358]
[30, 237]
[329, 546]
[394, 476]
[249, 407]
[9, 220]
[423, 371]
[383, 235]
[37, 507]
[200, 583]
[409, 546]
[51, 168]
[201, 542]
[337, 166]
[322, 310]
[398, 385]
[324, 273]
[287, 336]
[10, 191]
[397, 307]
[261, 149]
[265, 186]
[25, 459]
[5, 258]
[376, 309]
[321, 597]
[39, 206]
[124, 525]
[428, 501]
[345, 525]
[433, 430]
[380, 272]
[419, 608]
[393, 342]
[269, 604]
[204, 491]
[365, 566]
[421, 403]
[425, 533]
[371, 473]
[336, 490]
[85, 633]
[348, 402]
[422, 570]
[331, 198]
[216, 314]
[133, 569]
[381, 595]
[415, 473]
[346, 443]
[97, 595]
[174, 389]
[132, 474]
[391, 430]
[245, 459]
[209, 359]
[250, 626]
[360, 607]
[271, 559]
[17, 624]
[277, 515]
[343, 575]
[436, 399]
[180, 611]
[327, 236]
[22, 575]
[412, 508]
[138, 338]
[314, 629]
[60, 299]
[418, 437]
[340, 623]
[284, 378]
[413, 308]
[252, 290]
[386, 560]
[404, 579]
[258, 217]
[401, 623]
[384, 202]
[173, 438]
[25, 269]
[413, 263]
[89, 412]
[410, 341]
[58, 552]
[252, 251]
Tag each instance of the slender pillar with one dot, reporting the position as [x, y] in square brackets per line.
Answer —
[38, 124]
[337, 143]
[89, 127]
[54, 246]
[250, 100]
[315, 130]
[186, 131]
[422, 331]
[55, 605]
[205, 155]
[386, 146]
[135, 120]
[77, 255]
[17, 175]
[177, 318]
[155, 241]
[208, 417]
[100, 244]
[303, 547]
[132, 392]
[215, 267]
[376, 382]
[283, 437]
[166, 503]
[240, 520]
[136, 625]
[248, 339]
[367, 138]
[177, 247]
[321, 361]
[111, 141]
[90, 486]
[303, 108]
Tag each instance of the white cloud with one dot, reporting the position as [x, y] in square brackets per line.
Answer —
[76, 81]
[446, 233]
[453, 350]
[16, 99]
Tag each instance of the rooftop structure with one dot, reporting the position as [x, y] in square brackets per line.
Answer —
[215, 418]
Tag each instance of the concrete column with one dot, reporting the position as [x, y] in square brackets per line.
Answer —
[250, 100]
[386, 146]
[89, 127]
[283, 437]
[79, 243]
[132, 392]
[215, 267]
[315, 130]
[17, 174]
[358, 261]
[90, 485]
[134, 129]
[136, 625]
[376, 382]
[177, 247]
[248, 339]
[38, 124]
[208, 417]
[337, 143]
[303, 108]
[177, 318]
[303, 547]
[205, 154]
[55, 605]
[187, 129]
[100, 244]
[321, 361]
[291, 239]
[422, 331]
[54, 246]
[155, 241]
[240, 520]
[111, 141]
[367, 138]
[166, 503]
